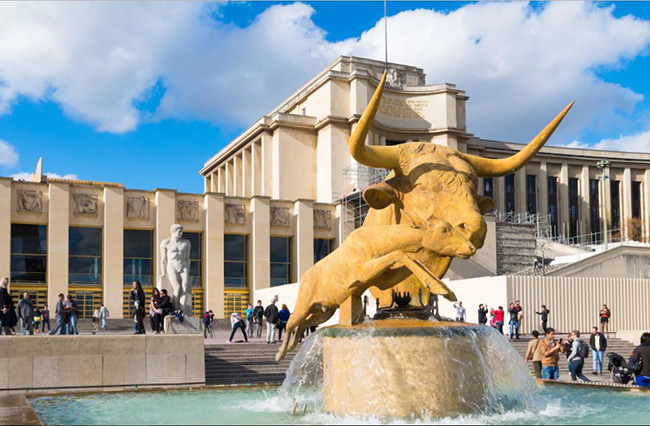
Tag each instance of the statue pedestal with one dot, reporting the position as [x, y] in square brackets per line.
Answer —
[188, 326]
[401, 368]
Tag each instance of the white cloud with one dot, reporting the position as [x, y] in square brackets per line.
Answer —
[28, 176]
[8, 154]
[520, 65]
[639, 142]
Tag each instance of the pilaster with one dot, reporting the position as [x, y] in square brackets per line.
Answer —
[304, 212]
[260, 241]
[113, 250]
[58, 241]
[214, 253]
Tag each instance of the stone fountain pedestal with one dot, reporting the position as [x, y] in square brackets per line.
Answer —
[406, 367]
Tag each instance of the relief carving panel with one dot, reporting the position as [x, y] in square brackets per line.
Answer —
[323, 219]
[138, 207]
[188, 211]
[280, 216]
[29, 201]
[85, 204]
[235, 213]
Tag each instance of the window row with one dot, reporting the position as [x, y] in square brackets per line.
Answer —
[29, 257]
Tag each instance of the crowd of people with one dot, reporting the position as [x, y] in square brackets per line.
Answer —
[256, 317]
[497, 317]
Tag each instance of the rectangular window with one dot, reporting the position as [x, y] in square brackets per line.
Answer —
[280, 261]
[322, 247]
[636, 200]
[531, 194]
[85, 256]
[28, 253]
[138, 257]
[196, 270]
[488, 187]
[510, 194]
[552, 203]
[574, 202]
[235, 249]
[594, 208]
[615, 191]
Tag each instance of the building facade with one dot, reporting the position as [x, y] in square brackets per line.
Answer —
[301, 150]
[93, 239]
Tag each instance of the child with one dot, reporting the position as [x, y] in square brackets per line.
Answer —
[37, 320]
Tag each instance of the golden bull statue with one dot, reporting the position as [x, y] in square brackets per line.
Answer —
[425, 213]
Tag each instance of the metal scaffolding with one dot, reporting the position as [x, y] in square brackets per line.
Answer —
[354, 209]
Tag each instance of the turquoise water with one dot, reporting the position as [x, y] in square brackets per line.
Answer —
[556, 405]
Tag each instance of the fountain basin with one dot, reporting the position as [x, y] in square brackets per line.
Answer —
[405, 367]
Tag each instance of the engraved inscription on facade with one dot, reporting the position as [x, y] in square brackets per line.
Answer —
[235, 213]
[137, 207]
[323, 219]
[403, 108]
[85, 204]
[29, 201]
[280, 216]
[188, 211]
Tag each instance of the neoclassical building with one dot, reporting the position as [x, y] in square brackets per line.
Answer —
[276, 198]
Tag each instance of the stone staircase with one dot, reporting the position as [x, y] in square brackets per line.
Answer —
[245, 363]
[516, 247]
[614, 345]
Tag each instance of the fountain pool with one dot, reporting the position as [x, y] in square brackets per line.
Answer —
[555, 405]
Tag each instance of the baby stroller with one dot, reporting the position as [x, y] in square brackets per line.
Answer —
[621, 373]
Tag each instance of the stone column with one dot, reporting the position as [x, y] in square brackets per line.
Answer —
[214, 253]
[5, 227]
[585, 205]
[500, 193]
[521, 202]
[256, 169]
[214, 182]
[542, 196]
[626, 214]
[260, 241]
[113, 256]
[563, 200]
[645, 194]
[304, 212]
[221, 180]
[267, 164]
[238, 176]
[229, 185]
[165, 218]
[57, 241]
[247, 173]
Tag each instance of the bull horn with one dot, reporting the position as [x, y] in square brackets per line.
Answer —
[486, 167]
[386, 157]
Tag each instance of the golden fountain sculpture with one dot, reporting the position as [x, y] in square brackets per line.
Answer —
[426, 212]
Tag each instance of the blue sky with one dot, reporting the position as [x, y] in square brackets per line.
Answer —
[144, 93]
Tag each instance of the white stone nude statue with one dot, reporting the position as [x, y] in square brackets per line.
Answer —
[175, 262]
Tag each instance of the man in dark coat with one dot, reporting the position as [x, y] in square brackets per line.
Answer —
[271, 314]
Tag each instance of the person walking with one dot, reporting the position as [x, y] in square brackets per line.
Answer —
[258, 317]
[8, 314]
[237, 323]
[514, 311]
[250, 320]
[534, 354]
[73, 311]
[461, 312]
[499, 318]
[104, 315]
[482, 314]
[26, 315]
[598, 343]
[605, 315]
[283, 319]
[59, 312]
[96, 318]
[45, 319]
[579, 352]
[641, 360]
[271, 314]
[550, 350]
[544, 314]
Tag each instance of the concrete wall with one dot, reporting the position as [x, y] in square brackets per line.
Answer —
[48, 362]
[473, 292]
[621, 262]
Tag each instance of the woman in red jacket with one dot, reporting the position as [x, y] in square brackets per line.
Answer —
[499, 316]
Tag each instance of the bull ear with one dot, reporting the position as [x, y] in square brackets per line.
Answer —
[380, 196]
[485, 205]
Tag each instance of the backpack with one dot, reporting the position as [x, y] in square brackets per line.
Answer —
[583, 350]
